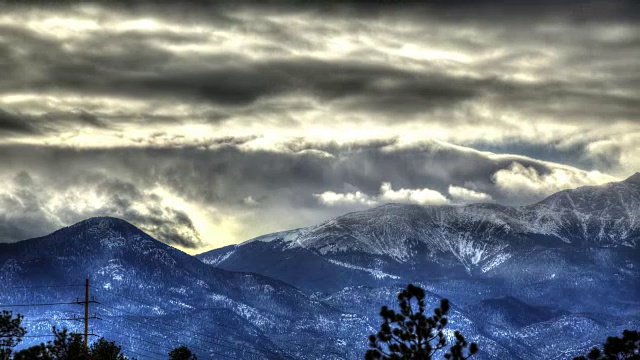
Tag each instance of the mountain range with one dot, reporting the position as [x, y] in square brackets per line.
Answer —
[542, 281]
[404, 241]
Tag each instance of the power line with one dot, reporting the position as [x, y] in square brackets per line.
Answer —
[166, 327]
[140, 356]
[124, 297]
[212, 322]
[139, 322]
[151, 306]
[93, 301]
[43, 286]
[171, 328]
[191, 346]
[152, 319]
[48, 304]
[51, 319]
[34, 336]
[153, 352]
[44, 335]
[159, 346]
[86, 303]
[147, 342]
[145, 355]
[44, 320]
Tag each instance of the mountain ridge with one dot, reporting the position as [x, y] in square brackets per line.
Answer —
[476, 234]
[570, 262]
[634, 179]
[403, 243]
[137, 278]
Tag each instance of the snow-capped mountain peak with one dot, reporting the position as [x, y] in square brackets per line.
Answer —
[478, 236]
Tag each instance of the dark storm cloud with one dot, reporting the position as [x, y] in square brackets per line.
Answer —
[17, 123]
[361, 85]
[14, 123]
[78, 117]
[461, 10]
[372, 87]
[531, 10]
[96, 58]
[139, 64]
[245, 83]
[109, 66]
[569, 99]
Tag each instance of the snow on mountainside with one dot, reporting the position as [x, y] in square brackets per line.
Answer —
[607, 215]
[478, 235]
[151, 289]
[570, 263]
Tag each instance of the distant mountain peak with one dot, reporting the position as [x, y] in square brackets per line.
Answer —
[103, 220]
[633, 179]
[102, 223]
[477, 236]
[105, 230]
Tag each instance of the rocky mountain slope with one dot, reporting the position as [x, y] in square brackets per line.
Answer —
[153, 297]
[570, 262]
[396, 241]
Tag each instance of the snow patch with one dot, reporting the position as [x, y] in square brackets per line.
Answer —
[112, 242]
[114, 270]
[181, 290]
[218, 259]
[497, 260]
[375, 273]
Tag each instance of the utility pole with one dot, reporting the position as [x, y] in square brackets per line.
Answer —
[86, 313]
[86, 316]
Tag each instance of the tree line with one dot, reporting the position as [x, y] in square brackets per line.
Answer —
[65, 345]
[408, 333]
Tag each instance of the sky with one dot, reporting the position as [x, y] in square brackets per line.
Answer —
[206, 125]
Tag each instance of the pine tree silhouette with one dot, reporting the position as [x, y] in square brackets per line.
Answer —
[182, 353]
[106, 350]
[11, 333]
[626, 347]
[70, 346]
[65, 346]
[410, 334]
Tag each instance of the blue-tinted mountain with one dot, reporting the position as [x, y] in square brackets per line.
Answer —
[544, 281]
[397, 241]
[570, 262]
[154, 297]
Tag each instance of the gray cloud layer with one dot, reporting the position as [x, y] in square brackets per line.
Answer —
[207, 124]
[131, 183]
